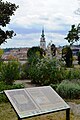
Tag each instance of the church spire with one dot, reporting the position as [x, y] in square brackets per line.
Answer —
[42, 40]
[43, 33]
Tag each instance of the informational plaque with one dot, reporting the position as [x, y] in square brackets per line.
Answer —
[29, 102]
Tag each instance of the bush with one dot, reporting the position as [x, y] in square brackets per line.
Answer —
[72, 73]
[24, 72]
[69, 90]
[3, 87]
[10, 72]
[54, 86]
[46, 71]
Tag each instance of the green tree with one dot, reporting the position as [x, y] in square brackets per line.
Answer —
[72, 35]
[67, 56]
[79, 58]
[53, 50]
[7, 9]
[10, 72]
[1, 52]
[34, 53]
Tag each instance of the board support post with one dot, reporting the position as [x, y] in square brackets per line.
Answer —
[68, 114]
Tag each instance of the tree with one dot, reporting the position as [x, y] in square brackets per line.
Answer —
[53, 50]
[67, 56]
[34, 53]
[79, 58]
[7, 9]
[72, 35]
[1, 52]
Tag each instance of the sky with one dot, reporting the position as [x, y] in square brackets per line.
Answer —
[55, 16]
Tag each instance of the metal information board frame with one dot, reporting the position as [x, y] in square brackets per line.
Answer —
[35, 101]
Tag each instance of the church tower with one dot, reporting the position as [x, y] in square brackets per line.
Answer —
[42, 40]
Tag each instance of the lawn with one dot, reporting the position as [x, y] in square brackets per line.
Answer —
[7, 113]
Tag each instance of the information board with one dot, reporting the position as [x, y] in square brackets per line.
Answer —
[35, 101]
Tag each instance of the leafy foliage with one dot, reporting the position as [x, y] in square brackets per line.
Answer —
[72, 35]
[9, 72]
[35, 51]
[46, 71]
[53, 50]
[72, 74]
[3, 87]
[24, 71]
[34, 54]
[1, 52]
[67, 56]
[6, 11]
[69, 90]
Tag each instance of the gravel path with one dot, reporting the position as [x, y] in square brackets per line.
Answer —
[75, 108]
[26, 83]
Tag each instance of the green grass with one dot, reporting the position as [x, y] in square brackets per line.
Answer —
[7, 113]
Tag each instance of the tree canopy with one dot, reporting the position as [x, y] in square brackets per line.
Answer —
[72, 35]
[53, 50]
[35, 51]
[67, 56]
[1, 52]
[34, 54]
[7, 9]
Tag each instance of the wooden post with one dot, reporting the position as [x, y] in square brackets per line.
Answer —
[68, 114]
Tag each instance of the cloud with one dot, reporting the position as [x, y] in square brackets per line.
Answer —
[29, 40]
[56, 16]
[23, 40]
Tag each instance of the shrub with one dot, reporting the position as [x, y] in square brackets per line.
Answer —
[69, 90]
[24, 72]
[10, 72]
[72, 73]
[3, 87]
[46, 71]
[54, 86]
